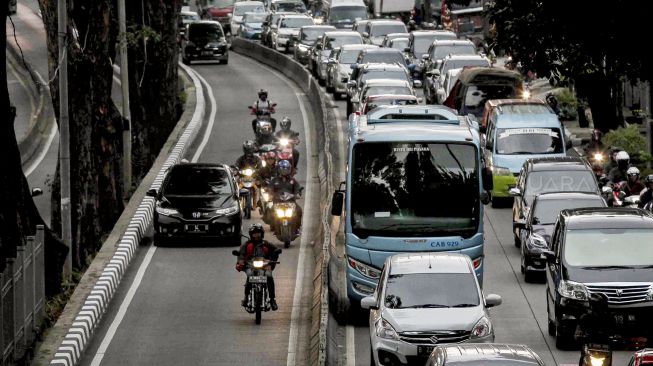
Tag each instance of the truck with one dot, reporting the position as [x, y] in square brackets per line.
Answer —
[382, 8]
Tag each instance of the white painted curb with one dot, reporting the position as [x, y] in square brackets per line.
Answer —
[79, 335]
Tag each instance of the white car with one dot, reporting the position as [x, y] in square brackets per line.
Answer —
[242, 7]
[449, 80]
[286, 31]
[424, 300]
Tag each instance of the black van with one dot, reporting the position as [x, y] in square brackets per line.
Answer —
[605, 251]
[204, 40]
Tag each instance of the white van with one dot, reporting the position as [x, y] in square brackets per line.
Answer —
[343, 13]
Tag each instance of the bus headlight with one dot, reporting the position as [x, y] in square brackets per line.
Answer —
[364, 269]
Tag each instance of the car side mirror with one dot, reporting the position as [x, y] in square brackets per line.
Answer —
[369, 302]
[36, 192]
[417, 83]
[548, 256]
[514, 191]
[151, 193]
[488, 183]
[337, 202]
[351, 83]
[365, 35]
[485, 197]
[520, 224]
[492, 300]
[606, 190]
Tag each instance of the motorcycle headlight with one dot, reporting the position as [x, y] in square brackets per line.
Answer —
[500, 171]
[266, 196]
[284, 142]
[573, 290]
[597, 360]
[248, 172]
[538, 241]
[258, 264]
[280, 213]
[166, 211]
[228, 211]
[385, 330]
[483, 328]
[289, 212]
[364, 269]
[598, 157]
[526, 94]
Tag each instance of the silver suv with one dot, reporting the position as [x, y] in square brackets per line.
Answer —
[424, 300]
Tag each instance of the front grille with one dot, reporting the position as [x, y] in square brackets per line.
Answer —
[439, 337]
[620, 294]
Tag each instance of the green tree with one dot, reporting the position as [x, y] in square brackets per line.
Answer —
[595, 44]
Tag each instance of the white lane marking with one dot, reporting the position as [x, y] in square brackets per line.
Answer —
[351, 345]
[209, 126]
[111, 332]
[307, 219]
[44, 151]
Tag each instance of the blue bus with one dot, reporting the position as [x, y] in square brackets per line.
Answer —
[415, 182]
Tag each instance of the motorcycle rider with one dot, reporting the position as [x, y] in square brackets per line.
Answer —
[268, 171]
[612, 159]
[646, 195]
[257, 247]
[293, 136]
[284, 182]
[618, 173]
[263, 106]
[633, 186]
[249, 159]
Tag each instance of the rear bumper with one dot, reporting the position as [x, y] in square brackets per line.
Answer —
[219, 227]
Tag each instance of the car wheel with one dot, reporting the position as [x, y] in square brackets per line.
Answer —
[551, 328]
[495, 202]
[225, 62]
[517, 240]
[529, 276]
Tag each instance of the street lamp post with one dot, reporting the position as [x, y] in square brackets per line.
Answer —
[126, 114]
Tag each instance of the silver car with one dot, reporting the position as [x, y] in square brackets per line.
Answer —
[332, 40]
[424, 300]
[286, 31]
[474, 354]
[339, 67]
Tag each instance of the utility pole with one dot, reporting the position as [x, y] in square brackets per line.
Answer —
[64, 137]
[126, 114]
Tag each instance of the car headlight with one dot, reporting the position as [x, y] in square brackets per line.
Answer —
[228, 211]
[385, 330]
[573, 290]
[364, 269]
[537, 240]
[483, 328]
[500, 171]
[166, 211]
[247, 172]
[258, 264]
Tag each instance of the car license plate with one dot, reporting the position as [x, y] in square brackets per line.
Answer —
[196, 228]
[207, 53]
[258, 279]
[424, 350]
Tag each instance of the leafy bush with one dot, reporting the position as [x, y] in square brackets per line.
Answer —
[630, 140]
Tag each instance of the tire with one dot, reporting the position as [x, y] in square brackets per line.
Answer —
[530, 276]
[160, 241]
[517, 240]
[329, 88]
[495, 202]
[551, 328]
[286, 244]
[564, 341]
[185, 60]
[258, 306]
[225, 62]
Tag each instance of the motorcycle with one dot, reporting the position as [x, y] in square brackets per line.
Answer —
[265, 204]
[247, 190]
[621, 199]
[286, 147]
[285, 225]
[258, 299]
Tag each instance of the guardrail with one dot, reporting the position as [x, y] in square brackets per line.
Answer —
[302, 77]
[22, 305]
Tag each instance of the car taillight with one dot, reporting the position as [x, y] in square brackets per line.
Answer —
[477, 262]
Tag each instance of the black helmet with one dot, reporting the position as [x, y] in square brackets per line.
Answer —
[256, 228]
[249, 147]
[285, 123]
[262, 94]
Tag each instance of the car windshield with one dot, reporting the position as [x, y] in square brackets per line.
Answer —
[240, 9]
[443, 51]
[348, 56]
[378, 90]
[421, 44]
[521, 141]
[383, 58]
[384, 74]
[415, 189]
[205, 32]
[309, 36]
[424, 290]
[197, 182]
[377, 103]
[347, 14]
[546, 211]
[559, 181]
[608, 247]
[459, 64]
[220, 3]
[477, 95]
[296, 22]
[254, 18]
[296, 6]
[187, 18]
[338, 41]
[379, 30]
[399, 44]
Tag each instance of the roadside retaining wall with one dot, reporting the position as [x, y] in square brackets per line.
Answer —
[321, 119]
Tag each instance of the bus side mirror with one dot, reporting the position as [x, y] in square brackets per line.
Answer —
[488, 184]
[337, 202]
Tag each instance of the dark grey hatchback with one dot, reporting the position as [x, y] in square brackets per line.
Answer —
[197, 201]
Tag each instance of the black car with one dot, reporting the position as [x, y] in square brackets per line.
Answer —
[606, 251]
[549, 174]
[308, 35]
[536, 229]
[197, 201]
[204, 40]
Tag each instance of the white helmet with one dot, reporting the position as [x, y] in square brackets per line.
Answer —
[632, 171]
[622, 155]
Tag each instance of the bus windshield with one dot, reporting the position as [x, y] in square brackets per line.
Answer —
[416, 189]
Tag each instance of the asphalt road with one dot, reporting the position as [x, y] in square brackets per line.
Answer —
[181, 305]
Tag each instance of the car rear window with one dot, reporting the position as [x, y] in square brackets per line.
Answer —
[197, 181]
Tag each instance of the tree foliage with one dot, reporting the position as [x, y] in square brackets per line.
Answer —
[596, 44]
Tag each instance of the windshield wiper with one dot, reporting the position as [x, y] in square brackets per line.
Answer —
[464, 305]
[425, 306]
[609, 267]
